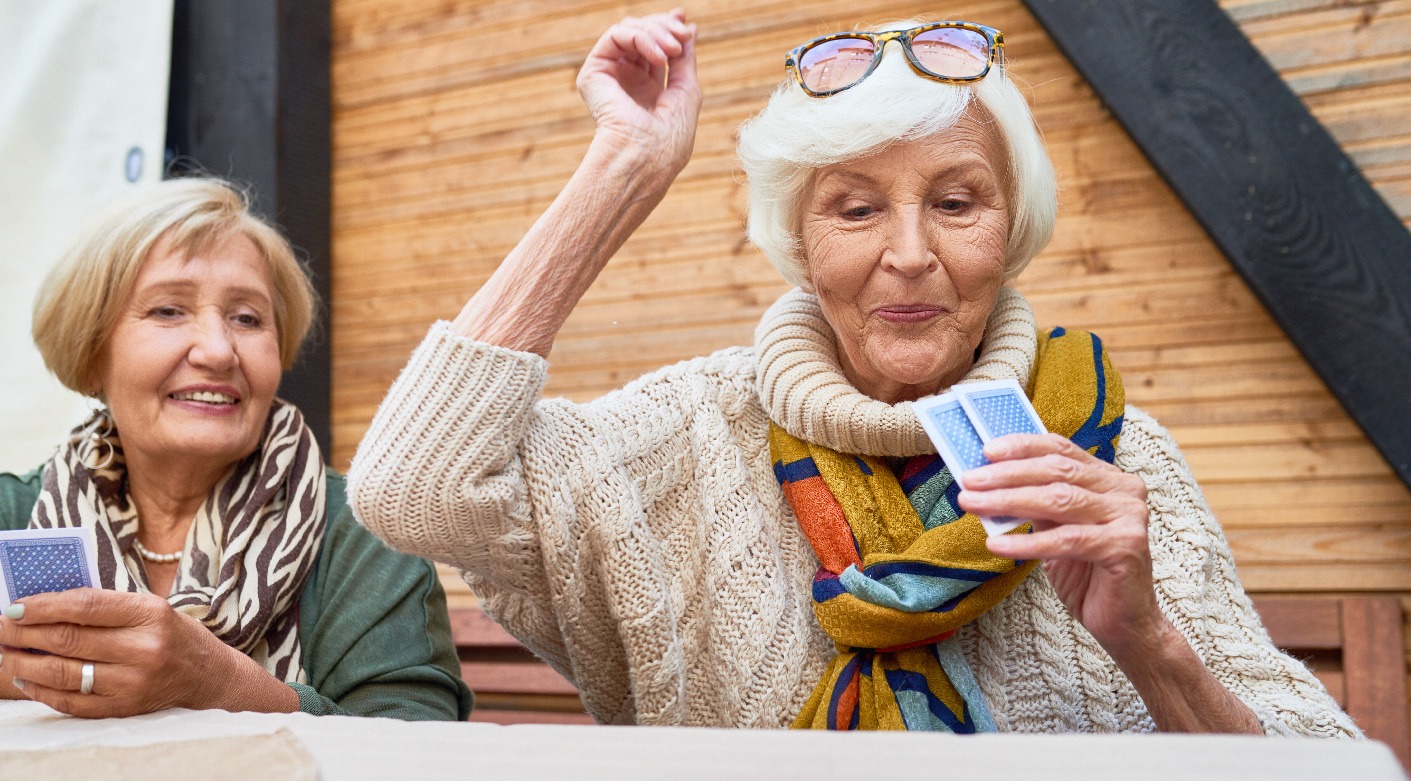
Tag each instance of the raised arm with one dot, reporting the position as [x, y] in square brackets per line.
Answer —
[440, 472]
[639, 82]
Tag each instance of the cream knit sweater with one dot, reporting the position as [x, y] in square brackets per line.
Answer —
[640, 544]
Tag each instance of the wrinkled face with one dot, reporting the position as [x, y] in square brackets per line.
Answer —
[905, 250]
[191, 368]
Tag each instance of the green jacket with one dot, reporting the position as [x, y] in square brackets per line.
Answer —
[376, 640]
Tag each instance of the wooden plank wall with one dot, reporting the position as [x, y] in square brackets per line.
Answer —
[455, 123]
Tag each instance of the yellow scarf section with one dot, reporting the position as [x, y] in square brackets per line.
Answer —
[902, 567]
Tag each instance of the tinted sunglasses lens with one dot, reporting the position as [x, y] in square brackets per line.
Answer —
[833, 65]
[952, 52]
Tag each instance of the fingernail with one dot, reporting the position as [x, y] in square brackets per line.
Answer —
[19, 684]
[14, 612]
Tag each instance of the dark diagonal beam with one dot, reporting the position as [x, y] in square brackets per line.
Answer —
[250, 102]
[1276, 193]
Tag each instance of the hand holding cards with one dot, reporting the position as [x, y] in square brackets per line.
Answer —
[961, 421]
[37, 561]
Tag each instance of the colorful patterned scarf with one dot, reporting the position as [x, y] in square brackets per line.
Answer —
[251, 546]
[902, 567]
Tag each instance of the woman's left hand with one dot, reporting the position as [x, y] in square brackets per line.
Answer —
[1090, 531]
[146, 656]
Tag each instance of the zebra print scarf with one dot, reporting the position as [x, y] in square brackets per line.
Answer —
[251, 546]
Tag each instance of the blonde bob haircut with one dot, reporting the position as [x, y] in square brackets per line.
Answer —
[781, 147]
[82, 298]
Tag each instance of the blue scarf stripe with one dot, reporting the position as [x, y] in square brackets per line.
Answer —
[932, 468]
[795, 471]
[946, 607]
[889, 568]
[1091, 435]
[1101, 403]
[953, 498]
[908, 681]
[907, 593]
[825, 589]
[839, 685]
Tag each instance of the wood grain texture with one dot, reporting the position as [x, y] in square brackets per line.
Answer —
[454, 126]
[511, 686]
[1374, 661]
[494, 716]
[1282, 200]
[1354, 644]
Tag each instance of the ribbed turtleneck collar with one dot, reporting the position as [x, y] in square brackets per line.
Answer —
[802, 386]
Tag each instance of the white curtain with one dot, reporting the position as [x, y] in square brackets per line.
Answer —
[83, 106]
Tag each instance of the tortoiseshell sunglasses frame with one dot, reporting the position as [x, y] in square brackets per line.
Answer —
[879, 40]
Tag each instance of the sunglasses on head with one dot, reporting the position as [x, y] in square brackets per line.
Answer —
[950, 52]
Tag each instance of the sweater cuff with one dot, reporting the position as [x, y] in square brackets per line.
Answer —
[455, 415]
[448, 366]
[313, 703]
[453, 388]
[456, 398]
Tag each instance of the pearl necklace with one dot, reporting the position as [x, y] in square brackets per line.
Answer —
[155, 558]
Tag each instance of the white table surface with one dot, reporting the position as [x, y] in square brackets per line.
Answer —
[354, 748]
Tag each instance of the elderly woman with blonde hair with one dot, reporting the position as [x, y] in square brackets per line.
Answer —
[765, 536]
[233, 573]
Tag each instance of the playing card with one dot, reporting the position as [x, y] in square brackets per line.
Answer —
[955, 431]
[951, 432]
[998, 408]
[36, 561]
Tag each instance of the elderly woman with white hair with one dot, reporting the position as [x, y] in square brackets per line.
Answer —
[764, 536]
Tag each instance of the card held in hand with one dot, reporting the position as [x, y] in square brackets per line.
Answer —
[998, 408]
[961, 421]
[950, 430]
[37, 561]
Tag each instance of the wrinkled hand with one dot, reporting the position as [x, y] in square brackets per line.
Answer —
[1090, 531]
[146, 655]
[639, 82]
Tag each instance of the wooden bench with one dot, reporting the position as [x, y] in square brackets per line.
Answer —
[1354, 644]
[1356, 647]
[511, 685]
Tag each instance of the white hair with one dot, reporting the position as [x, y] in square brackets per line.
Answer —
[783, 145]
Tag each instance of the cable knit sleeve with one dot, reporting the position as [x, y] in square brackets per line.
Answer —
[1200, 592]
[437, 464]
[438, 473]
[563, 517]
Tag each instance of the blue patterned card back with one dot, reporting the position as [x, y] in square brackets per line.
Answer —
[952, 424]
[39, 566]
[1003, 412]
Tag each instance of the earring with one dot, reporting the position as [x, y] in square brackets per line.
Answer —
[96, 437]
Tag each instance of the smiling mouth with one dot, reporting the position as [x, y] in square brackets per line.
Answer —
[206, 397]
[905, 313]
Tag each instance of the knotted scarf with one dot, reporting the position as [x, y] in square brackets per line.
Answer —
[251, 547]
[902, 567]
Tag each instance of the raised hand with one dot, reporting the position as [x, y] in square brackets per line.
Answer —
[639, 82]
